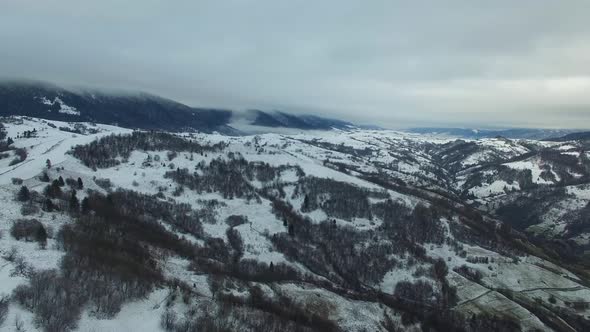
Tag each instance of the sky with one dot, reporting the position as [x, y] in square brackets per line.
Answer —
[392, 63]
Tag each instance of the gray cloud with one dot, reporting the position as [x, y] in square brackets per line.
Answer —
[393, 63]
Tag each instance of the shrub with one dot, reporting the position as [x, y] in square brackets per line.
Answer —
[420, 291]
[104, 184]
[52, 298]
[178, 191]
[53, 190]
[20, 155]
[44, 177]
[11, 255]
[71, 183]
[21, 268]
[14, 161]
[29, 230]
[29, 208]
[171, 155]
[469, 273]
[236, 220]
[4, 301]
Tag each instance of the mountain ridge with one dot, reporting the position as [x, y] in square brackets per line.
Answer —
[475, 133]
[141, 110]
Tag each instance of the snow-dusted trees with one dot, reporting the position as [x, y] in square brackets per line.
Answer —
[180, 216]
[421, 225]
[236, 242]
[110, 257]
[231, 177]
[53, 190]
[343, 249]
[29, 230]
[20, 154]
[257, 311]
[338, 199]
[226, 177]
[107, 151]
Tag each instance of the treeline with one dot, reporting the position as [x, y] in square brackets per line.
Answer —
[523, 178]
[419, 225]
[337, 252]
[338, 199]
[230, 177]
[114, 252]
[5, 141]
[107, 151]
[180, 216]
[345, 149]
[255, 312]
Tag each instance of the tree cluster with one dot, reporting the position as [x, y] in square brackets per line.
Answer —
[110, 150]
[338, 199]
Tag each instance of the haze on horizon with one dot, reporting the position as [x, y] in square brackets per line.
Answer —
[389, 63]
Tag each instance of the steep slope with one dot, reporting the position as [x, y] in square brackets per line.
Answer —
[307, 122]
[542, 191]
[126, 110]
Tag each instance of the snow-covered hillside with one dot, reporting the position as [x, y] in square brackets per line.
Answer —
[336, 230]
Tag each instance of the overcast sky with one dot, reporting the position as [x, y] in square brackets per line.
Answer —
[390, 63]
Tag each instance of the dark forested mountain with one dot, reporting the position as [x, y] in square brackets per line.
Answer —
[139, 110]
[281, 119]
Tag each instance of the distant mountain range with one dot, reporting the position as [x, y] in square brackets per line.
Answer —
[577, 136]
[514, 133]
[143, 111]
[151, 112]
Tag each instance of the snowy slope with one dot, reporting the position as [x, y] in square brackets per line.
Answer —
[416, 164]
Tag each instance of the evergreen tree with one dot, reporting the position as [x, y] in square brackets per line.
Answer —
[305, 206]
[85, 205]
[41, 237]
[61, 181]
[48, 205]
[24, 194]
[48, 163]
[74, 203]
[80, 184]
[53, 190]
[44, 177]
